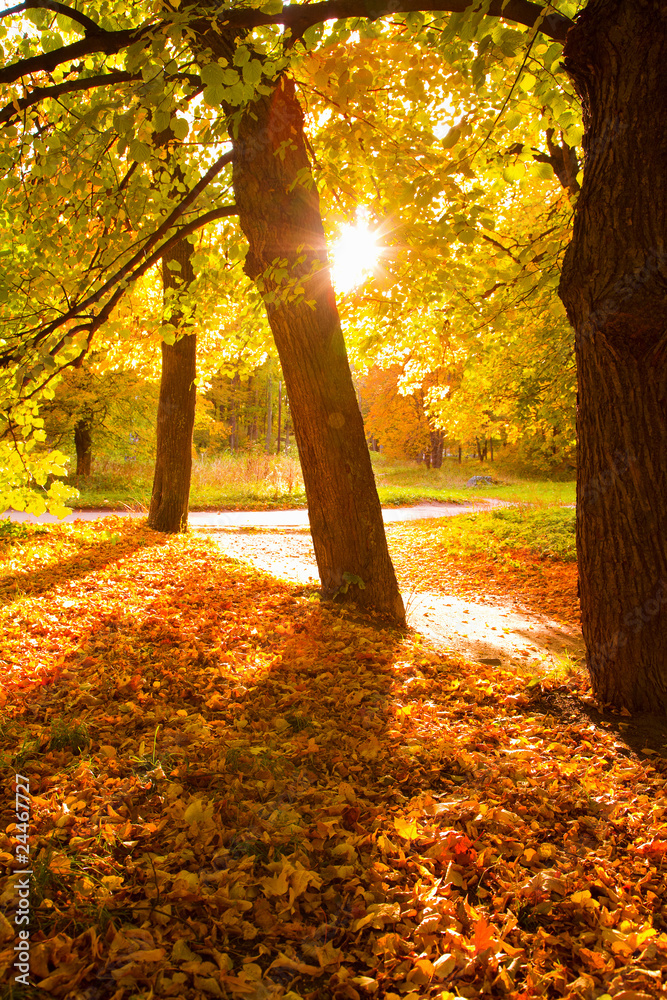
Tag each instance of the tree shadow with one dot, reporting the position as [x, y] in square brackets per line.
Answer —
[280, 780]
[639, 732]
[107, 547]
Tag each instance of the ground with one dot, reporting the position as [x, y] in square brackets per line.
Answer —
[461, 606]
[238, 791]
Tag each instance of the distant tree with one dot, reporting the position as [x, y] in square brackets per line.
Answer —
[94, 408]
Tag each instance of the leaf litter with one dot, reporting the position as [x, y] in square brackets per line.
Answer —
[238, 791]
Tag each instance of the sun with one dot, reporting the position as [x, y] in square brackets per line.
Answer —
[354, 256]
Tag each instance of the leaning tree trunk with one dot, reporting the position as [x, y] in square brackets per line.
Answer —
[83, 442]
[176, 409]
[614, 286]
[279, 213]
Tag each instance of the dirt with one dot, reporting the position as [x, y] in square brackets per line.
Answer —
[484, 629]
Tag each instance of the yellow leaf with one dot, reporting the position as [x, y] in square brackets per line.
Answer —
[150, 955]
[328, 955]
[406, 828]
[197, 812]
[444, 966]
[181, 952]
[7, 932]
[276, 886]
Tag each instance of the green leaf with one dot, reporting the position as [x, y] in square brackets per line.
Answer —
[252, 71]
[544, 170]
[212, 73]
[180, 127]
[140, 151]
[214, 95]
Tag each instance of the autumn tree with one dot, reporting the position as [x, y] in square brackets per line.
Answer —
[97, 407]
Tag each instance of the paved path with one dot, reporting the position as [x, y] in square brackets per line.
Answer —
[265, 518]
[484, 628]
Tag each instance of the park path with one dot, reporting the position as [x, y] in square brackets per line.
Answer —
[486, 628]
[278, 541]
[264, 518]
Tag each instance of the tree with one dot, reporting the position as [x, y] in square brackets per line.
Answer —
[614, 286]
[279, 213]
[176, 405]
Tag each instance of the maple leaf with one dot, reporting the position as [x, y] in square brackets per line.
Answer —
[484, 935]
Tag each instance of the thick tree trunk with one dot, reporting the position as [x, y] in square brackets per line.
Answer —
[83, 442]
[279, 214]
[614, 286]
[176, 411]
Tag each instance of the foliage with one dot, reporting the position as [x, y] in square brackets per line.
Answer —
[117, 406]
[252, 480]
[457, 181]
[398, 421]
[448, 822]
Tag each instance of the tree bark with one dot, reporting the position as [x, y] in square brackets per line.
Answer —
[279, 213]
[176, 410]
[613, 285]
[269, 417]
[280, 414]
[437, 440]
[83, 442]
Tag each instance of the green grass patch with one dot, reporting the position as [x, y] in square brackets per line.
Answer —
[410, 482]
[272, 482]
[545, 531]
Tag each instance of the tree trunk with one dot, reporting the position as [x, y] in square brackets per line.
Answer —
[176, 410]
[279, 213]
[233, 398]
[437, 443]
[83, 442]
[613, 286]
[269, 417]
[280, 414]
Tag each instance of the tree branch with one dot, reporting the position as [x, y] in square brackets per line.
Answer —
[102, 316]
[89, 26]
[67, 87]
[108, 42]
[168, 224]
[87, 83]
[299, 17]
[127, 271]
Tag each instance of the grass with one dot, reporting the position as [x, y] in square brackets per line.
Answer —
[231, 482]
[544, 531]
[408, 482]
[264, 482]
